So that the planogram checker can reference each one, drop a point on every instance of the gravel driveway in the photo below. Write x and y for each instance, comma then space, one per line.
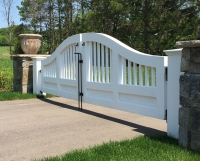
39, 128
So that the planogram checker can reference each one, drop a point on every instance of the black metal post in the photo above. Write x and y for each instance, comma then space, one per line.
80, 94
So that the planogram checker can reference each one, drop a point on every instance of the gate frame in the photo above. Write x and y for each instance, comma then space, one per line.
172, 85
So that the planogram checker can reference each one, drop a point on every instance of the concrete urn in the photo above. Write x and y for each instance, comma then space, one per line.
30, 43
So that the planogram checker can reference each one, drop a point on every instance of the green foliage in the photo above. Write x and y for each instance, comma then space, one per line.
6, 69
151, 148
4, 41
4, 32
6, 79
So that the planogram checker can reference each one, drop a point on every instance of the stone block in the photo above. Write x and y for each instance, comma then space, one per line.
27, 88
14, 64
19, 62
184, 90
194, 68
17, 88
26, 63
195, 141
190, 90
17, 73
183, 137
195, 55
27, 76
16, 81
185, 60
195, 119
184, 117
186, 44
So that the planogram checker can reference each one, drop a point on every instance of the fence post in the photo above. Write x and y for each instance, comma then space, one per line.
37, 83
173, 88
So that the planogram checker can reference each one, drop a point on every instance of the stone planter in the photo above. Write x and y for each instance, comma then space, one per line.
30, 43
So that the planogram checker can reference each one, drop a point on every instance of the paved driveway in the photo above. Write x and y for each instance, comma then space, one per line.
39, 128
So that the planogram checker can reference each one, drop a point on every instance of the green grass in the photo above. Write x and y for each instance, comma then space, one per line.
6, 63
8, 96
6, 69
4, 52
143, 148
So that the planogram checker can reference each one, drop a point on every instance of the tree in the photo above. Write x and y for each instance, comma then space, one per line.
7, 6
149, 26
4, 40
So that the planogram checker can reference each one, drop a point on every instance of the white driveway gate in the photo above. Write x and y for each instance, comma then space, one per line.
111, 74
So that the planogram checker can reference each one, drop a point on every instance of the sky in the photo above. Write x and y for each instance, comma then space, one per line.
14, 14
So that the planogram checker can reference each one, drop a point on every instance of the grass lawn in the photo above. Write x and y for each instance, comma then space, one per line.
143, 148
4, 52
8, 96
5, 61
6, 69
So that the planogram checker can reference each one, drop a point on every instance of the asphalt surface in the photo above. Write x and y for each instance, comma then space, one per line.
37, 128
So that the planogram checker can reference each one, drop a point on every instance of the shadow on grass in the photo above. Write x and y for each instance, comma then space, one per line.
139, 128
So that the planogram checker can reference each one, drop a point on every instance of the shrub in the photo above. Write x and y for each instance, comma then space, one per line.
6, 79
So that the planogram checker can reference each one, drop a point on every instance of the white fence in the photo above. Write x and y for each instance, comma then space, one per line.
114, 75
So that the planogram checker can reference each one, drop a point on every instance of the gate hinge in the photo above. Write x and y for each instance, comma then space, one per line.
80, 61
83, 44
166, 73
166, 115
81, 94
40, 71
77, 44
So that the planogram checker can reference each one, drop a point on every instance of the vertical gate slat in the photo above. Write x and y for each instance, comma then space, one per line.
95, 60
103, 69
146, 76
70, 68
52, 66
124, 70
90, 57
129, 72
92, 61
70, 49
140, 75
135, 73
66, 68
98, 53
72, 63
110, 62
74, 67
107, 81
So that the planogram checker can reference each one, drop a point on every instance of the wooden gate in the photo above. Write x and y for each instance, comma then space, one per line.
112, 75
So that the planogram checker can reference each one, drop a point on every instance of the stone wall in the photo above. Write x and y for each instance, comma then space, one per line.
189, 113
23, 72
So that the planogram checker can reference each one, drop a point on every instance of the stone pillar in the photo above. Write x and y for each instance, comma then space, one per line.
189, 113
23, 73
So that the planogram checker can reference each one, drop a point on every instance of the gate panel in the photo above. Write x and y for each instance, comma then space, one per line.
59, 72
120, 77
114, 75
